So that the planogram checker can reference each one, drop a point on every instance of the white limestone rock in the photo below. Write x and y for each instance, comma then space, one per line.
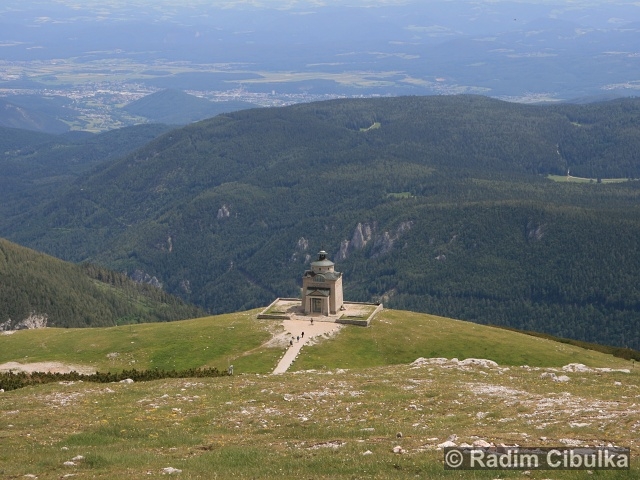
170, 471
446, 444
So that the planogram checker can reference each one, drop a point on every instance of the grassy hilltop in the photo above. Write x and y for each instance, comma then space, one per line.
398, 337
345, 396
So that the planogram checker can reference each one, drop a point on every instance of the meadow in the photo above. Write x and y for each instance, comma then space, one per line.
239, 339
571, 179
338, 413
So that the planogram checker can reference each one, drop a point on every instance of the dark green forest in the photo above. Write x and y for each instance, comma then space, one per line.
175, 107
436, 204
34, 165
78, 295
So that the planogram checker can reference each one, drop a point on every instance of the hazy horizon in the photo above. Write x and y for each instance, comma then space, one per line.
272, 52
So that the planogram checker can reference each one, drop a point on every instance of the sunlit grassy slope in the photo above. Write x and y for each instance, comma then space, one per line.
333, 424
327, 423
401, 337
208, 341
394, 337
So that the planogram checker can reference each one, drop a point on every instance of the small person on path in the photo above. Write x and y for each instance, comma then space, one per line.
298, 338
312, 321
302, 335
291, 343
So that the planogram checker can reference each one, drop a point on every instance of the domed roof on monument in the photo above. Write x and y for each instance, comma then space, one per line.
322, 261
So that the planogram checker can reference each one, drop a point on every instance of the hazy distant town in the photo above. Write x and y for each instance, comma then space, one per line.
272, 53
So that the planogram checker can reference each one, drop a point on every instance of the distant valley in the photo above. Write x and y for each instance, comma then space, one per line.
82, 64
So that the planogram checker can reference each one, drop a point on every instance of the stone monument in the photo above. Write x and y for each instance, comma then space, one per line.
322, 288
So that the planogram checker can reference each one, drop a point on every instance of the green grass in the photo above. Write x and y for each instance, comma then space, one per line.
399, 195
364, 312
286, 426
394, 337
275, 310
400, 337
263, 426
565, 179
203, 342
374, 126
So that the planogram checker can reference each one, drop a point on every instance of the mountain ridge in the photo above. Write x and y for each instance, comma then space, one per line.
16, 116
460, 218
175, 107
39, 291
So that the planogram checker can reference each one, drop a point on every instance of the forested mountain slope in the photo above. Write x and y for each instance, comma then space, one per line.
436, 204
175, 107
16, 116
36, 287
35, 165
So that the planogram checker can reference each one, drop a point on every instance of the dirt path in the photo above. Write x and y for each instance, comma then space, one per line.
308, 334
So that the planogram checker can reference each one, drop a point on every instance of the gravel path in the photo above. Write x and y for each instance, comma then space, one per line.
293, 330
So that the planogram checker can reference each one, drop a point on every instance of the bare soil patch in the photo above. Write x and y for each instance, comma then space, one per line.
52, 367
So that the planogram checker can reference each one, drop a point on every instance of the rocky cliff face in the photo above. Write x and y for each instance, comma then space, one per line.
344, 250
535, 231
142, 277
301, 251
31, 322
362, 235
223, 212
367, 233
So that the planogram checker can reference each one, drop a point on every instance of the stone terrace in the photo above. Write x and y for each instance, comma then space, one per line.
354, 313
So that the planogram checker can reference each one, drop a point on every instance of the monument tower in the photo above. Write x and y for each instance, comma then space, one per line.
322, 288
